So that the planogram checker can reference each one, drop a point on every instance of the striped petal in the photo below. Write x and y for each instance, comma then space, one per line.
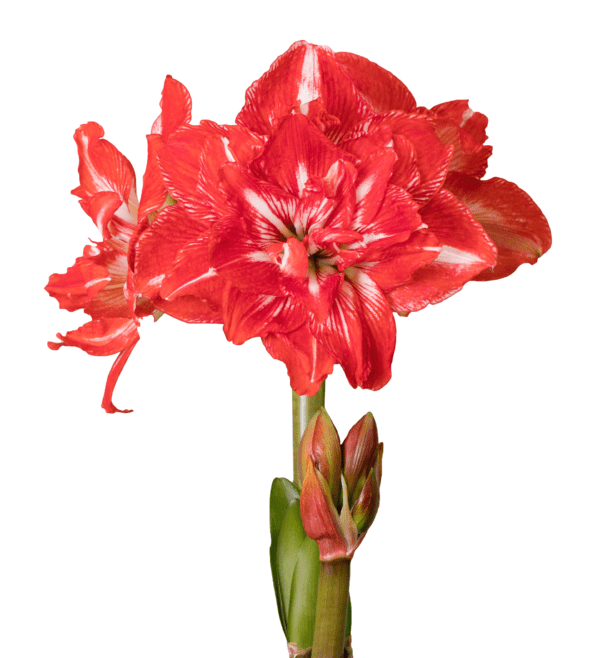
465, 251
248, 315
378, 87
307, 360
104, 169
509, 216
303, 74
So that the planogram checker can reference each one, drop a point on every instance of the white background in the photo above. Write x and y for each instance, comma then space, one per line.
146, 535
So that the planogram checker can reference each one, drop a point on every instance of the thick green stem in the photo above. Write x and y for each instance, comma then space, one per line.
332, 606
304, 407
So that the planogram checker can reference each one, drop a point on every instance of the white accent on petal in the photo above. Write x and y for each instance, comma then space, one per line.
93, 282
363, 189
454, 256
211, 272
256, 257
157, 280
262, 208
301, 177
310, 82
228, 153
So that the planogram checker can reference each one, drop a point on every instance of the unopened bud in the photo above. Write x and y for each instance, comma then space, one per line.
321, 445
359, 455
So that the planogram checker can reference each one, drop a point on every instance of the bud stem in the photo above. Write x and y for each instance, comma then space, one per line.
304, 407
332, 605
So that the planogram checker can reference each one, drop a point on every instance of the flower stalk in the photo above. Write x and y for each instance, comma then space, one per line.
332, 607
304, 407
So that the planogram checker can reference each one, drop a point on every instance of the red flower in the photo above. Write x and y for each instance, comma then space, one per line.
100, 281
332, 203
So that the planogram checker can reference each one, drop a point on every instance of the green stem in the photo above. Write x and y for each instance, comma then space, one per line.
332, 606
304, 407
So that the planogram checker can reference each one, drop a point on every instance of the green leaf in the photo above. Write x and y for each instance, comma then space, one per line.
291, 538
283, 492
303, 596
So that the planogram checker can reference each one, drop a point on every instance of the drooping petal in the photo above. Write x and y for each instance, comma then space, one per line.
191, 161
248, 315
304, 73
111, 381
192, 309
509, 216
102, 168
101, 337
176, 108
342, 333
466, 251
307, 360
381, 89
379, 330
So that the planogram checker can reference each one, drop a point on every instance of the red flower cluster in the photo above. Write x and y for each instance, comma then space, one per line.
333, 202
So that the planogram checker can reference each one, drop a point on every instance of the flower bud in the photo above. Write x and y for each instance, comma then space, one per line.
321, 445
359, 455
329, 516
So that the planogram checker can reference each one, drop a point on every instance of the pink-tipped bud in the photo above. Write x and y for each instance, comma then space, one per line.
359, 455
321, 445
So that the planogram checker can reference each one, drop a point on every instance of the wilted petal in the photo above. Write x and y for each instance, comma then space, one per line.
111, 381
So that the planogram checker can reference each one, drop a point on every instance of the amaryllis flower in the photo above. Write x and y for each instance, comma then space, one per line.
100, 281
333, 202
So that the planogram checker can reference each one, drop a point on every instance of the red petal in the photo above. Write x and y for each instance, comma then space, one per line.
102, 168
100, 337
396, 265
379, 330
248, 315
191, 160
308, 362
317, 291
111, 382
510, 218
158, 246
466, 251
297, 152
238, 259
303, 74
192, 274
342, 333
176, 106
154, 192
459, 113
267, 210
189, 308
381, 89
81, 282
